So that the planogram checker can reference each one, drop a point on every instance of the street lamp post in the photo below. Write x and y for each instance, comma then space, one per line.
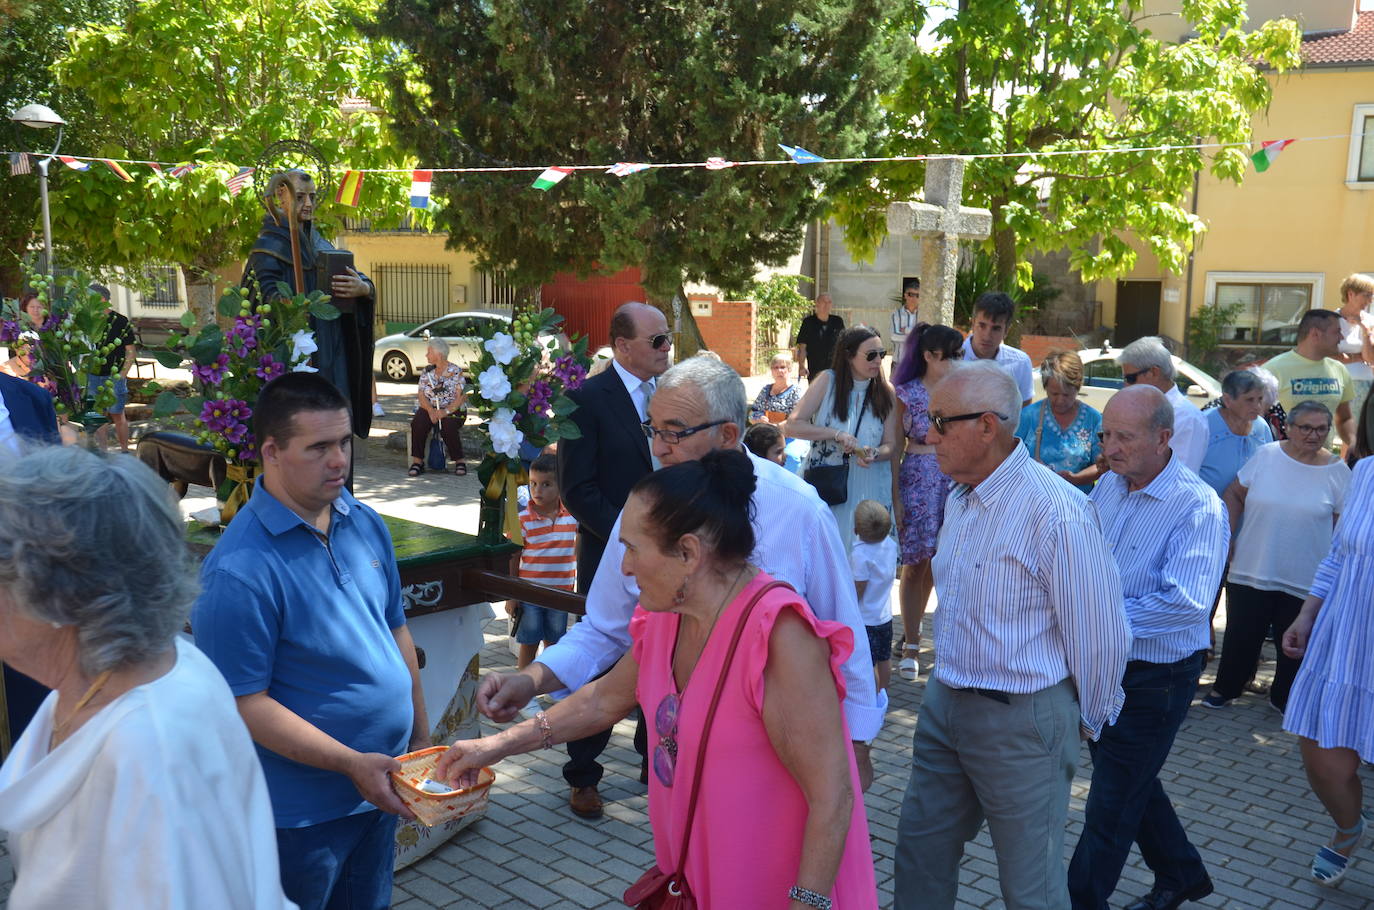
40, 116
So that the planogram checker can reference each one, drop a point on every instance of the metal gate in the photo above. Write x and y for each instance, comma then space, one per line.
410, 293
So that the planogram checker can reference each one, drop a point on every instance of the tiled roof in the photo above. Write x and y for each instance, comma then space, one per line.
1351, 47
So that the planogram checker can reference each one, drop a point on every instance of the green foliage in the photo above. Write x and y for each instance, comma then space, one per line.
978, 274
217, 82
32, 36
780, 307
1045, 77
538, 82
1204, 335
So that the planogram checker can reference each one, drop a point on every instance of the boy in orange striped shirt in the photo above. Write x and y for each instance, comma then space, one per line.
549, 557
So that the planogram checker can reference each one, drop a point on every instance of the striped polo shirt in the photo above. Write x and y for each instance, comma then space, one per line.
548, 557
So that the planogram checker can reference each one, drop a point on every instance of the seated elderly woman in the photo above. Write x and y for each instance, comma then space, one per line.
136, 783
441, 398
1060, 431
721, 651
776, 400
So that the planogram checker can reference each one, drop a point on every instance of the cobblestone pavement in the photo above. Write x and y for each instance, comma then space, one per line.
1234, 776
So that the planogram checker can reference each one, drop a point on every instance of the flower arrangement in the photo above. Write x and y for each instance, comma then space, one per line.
65, 342
230, 367
519, 386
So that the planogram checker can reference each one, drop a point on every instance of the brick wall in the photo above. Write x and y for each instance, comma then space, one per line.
729, 331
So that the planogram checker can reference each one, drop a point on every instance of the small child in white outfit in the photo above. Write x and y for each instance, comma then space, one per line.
874, 563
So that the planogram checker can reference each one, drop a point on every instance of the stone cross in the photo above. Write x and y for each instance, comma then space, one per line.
941, 222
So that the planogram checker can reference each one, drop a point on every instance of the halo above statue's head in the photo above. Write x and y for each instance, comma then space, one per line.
283, 160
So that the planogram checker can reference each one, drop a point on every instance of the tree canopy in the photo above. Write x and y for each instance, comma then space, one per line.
556, 82
251, 73
1045, 77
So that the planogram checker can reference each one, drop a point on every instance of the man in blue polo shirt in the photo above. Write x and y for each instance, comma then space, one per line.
301, 610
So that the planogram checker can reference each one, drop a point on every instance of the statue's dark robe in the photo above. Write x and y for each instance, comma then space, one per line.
345, 344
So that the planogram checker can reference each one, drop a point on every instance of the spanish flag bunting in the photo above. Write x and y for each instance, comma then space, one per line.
119, 171
350, 188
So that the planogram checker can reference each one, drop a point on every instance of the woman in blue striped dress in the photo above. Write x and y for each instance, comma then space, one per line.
1331, 706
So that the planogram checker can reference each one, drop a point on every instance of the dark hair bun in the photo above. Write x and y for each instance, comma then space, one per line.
730, 474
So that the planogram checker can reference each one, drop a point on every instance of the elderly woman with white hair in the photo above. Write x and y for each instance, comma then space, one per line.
136, 783
441, 399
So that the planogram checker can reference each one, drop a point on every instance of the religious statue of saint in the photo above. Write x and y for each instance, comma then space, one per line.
344, 354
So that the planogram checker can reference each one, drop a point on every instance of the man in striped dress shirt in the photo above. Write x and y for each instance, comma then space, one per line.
1030, 641
1169, 534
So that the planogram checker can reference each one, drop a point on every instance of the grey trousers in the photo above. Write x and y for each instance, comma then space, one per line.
975, 758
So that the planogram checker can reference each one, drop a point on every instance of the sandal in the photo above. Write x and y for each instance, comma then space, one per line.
1329, 866
908, 668
415, 470
460, 469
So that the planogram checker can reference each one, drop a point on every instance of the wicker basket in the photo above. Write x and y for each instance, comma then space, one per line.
435, 808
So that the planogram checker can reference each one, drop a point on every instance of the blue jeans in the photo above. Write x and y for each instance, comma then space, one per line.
1127, 803
540, 624
342, 864
121, 391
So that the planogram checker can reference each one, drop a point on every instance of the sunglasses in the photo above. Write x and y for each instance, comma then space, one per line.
673, 437
941, 423
875, 354
661, 341
1131, 378
665, 753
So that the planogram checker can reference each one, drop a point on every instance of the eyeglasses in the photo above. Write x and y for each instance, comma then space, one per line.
673, 437
941, 423
1132, 377
665, 753
1307, 428
875, 354
662, 341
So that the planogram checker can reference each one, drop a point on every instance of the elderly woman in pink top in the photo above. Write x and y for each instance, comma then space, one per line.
778, 820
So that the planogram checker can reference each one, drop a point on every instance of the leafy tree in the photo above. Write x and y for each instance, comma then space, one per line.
1205, 333
780, 307
218, 81
549, 82
1043, 77
32, 37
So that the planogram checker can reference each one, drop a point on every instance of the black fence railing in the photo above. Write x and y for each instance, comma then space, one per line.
411, 293
163, 287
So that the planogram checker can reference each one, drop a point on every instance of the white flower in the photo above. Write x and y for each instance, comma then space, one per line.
492, 384
302, 346
502, 347
505, 438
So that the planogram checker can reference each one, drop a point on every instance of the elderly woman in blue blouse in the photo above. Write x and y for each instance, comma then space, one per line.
776, 400
1060, 430
1235, 429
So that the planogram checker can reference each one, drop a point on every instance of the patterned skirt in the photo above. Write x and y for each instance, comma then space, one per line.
923, 488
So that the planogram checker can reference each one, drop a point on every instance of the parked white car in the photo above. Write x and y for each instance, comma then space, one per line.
1102, 379
401, 357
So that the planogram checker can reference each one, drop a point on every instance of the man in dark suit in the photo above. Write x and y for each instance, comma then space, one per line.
595, 474
28, 414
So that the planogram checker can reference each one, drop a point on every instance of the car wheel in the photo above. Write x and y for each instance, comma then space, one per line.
396, 366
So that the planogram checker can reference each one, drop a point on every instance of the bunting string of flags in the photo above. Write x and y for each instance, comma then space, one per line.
421, 180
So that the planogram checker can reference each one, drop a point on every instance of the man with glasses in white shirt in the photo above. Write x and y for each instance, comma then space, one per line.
904, 318
700, 406
1030, 642
595, 475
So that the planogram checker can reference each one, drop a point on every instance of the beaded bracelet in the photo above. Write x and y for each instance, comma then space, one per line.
808, 897
545, 733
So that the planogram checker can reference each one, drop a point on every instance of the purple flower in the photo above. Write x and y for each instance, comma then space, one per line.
215, 415
540, 394
9, 331
248, 451
236, 433
242, 336
567, 370
52, 322
269, 369
211, 373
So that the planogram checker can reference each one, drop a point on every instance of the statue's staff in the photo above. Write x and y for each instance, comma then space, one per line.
293, 227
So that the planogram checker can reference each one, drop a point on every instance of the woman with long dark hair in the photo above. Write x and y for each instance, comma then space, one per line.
919, 487
849, 415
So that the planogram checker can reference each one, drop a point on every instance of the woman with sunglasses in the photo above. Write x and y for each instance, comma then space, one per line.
778, 820
849, 415
919, 487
